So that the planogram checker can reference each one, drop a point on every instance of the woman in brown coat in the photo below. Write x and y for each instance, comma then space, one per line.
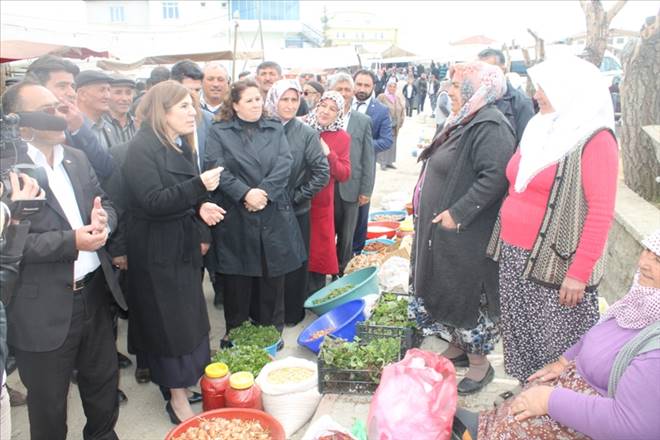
397, 107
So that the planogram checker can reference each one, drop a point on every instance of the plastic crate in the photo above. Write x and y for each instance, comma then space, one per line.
334, 380
410, 337
338, 381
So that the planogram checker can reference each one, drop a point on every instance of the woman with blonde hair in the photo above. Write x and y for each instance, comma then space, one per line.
166, 239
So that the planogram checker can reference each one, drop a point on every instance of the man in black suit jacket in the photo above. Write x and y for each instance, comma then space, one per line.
59, 317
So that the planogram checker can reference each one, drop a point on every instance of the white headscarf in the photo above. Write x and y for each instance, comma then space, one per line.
582, 104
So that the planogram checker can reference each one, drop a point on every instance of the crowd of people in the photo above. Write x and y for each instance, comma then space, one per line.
264, 184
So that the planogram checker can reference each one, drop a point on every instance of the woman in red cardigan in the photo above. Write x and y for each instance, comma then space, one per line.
556, 218
328, 118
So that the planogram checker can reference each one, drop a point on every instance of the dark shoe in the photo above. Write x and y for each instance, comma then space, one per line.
121, 397
280, 344
383, 167
123, 360
225, 343
170, 412
460, 361
195, 398
391, 166
469, 386
142, 375
16, 398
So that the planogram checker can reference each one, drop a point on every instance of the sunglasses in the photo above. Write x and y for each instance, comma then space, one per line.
51, 109
309, 92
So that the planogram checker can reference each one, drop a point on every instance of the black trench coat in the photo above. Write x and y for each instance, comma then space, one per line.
168, 314
466, 175
243, 237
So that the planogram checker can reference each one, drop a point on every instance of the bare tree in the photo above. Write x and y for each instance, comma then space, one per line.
598, 26
640, 106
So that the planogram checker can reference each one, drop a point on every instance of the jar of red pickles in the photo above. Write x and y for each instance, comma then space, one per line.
214, 384
243, 392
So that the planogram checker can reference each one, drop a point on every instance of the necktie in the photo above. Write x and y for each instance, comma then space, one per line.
357, 107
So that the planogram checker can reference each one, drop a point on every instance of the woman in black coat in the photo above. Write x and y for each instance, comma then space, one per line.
310, 173
166, 238
259, 241
456, 202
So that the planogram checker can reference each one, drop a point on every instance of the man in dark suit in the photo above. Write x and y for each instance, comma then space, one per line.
59, 318
381, 131
357, 190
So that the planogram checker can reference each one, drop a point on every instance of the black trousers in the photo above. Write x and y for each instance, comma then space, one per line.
420, 102
295, 283
90, 348
410, 104
360, 234
259, 298
346, 216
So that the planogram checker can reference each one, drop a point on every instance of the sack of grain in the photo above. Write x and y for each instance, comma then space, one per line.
290, 391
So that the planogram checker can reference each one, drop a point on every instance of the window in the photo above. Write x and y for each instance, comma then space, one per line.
610, 40
266, 10
619, 40
170, 10
117, 14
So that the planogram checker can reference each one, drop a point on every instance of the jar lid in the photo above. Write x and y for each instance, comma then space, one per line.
241, 380
216, 370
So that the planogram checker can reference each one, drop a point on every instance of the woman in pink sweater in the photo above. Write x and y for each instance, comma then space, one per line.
556, 217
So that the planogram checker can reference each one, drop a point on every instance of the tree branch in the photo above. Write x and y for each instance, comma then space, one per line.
615, 10
584, 4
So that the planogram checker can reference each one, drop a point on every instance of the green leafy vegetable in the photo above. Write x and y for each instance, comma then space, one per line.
249, 334
391, 310
243, 358
372, 356
334, 293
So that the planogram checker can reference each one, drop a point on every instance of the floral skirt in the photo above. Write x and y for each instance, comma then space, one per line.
536, 328
479, 340
500, 423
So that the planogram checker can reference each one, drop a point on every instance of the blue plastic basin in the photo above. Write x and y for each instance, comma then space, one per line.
342, 319
364, 282
373, 217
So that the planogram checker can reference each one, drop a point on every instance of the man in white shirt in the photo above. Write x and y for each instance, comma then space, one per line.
59, 318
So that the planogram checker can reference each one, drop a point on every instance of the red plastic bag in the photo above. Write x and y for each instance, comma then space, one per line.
416, 399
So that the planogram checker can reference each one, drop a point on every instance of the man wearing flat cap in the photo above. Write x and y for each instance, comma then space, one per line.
121, 122
93, 98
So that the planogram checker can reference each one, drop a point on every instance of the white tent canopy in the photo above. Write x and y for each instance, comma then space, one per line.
298, 60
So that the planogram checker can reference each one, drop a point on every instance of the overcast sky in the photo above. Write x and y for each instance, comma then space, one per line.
424, 25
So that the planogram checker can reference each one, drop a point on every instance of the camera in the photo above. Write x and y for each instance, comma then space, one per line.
11, 146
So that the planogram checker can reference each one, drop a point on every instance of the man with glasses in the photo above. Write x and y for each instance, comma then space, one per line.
59, 317
312, 92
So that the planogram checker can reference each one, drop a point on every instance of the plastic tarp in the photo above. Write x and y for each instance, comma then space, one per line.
173, 58
298, 60
14, 50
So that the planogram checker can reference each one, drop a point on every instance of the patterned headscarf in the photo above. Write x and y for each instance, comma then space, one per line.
338, 124
481, 84
275, 93
641, 305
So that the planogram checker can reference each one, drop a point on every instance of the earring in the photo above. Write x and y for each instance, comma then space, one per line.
31, 138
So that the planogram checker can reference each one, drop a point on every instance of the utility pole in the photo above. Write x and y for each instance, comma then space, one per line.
261, 32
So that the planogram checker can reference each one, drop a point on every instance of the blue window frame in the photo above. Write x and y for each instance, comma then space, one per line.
170, 10
117, 14
267, 9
